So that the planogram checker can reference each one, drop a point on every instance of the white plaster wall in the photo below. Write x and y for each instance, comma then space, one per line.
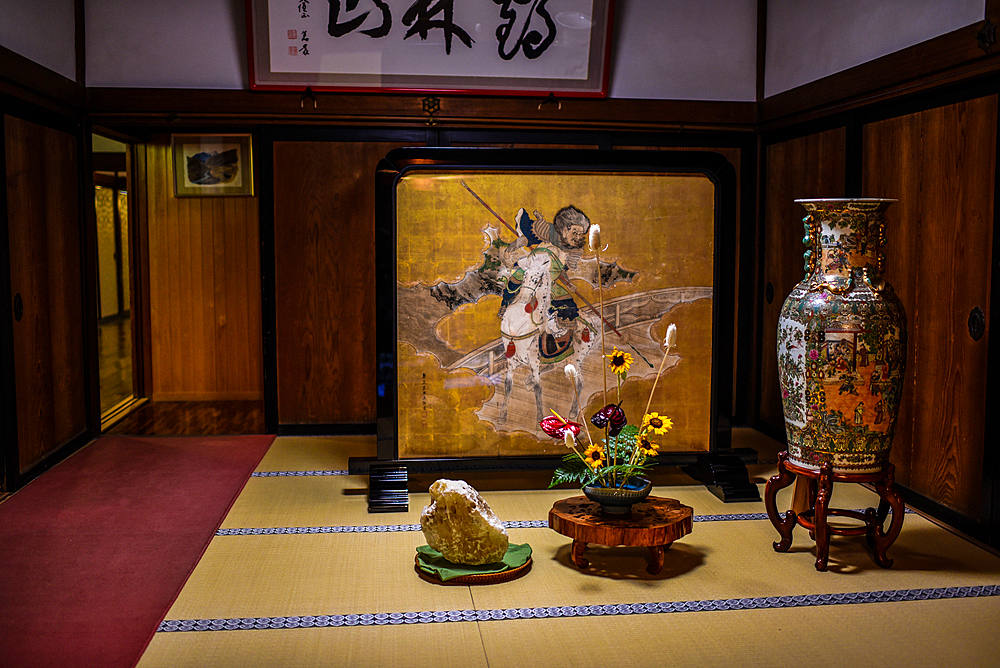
167, 44
663, 49
685, 50
810, 39
43, 32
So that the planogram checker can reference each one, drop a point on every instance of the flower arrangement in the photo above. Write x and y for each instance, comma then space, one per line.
626, 450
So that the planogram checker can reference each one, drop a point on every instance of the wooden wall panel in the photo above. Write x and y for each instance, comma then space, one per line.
204, 290
324, 249
940, 164
44, 229
806, 167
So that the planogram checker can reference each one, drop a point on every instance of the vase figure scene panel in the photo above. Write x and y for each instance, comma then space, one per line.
842, 342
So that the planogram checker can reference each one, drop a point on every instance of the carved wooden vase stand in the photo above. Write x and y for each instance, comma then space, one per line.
815, 519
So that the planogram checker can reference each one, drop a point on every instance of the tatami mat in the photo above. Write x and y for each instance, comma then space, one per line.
914, 634
348, 562
458, 644
315, 453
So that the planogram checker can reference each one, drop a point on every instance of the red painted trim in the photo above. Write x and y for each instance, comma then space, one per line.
431, 91
606, 75
251, 73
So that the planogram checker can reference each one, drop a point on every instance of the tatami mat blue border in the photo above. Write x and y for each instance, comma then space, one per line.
441, 616
390, 528
281, 474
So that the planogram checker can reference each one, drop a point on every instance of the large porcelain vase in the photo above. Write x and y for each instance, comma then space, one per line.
842, 342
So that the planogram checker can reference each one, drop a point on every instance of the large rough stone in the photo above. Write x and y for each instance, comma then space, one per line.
460, 525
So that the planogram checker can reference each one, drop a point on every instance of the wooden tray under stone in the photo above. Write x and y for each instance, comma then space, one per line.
476, 578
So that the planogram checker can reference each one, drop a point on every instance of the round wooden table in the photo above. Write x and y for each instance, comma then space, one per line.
654, 523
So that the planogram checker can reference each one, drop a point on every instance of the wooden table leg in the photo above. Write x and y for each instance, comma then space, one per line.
656, 554
783, 478
822, 505
578, 558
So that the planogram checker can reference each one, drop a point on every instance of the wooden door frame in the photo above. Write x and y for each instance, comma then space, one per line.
264, 142
987, 527
138, 249
8, 390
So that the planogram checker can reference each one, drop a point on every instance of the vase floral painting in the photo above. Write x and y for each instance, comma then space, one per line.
842, 341
499, 292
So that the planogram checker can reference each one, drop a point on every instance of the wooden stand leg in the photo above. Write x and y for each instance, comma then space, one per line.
889, 496
811, 490
578, 558
783, 478
804, 494
656, 554
822, 505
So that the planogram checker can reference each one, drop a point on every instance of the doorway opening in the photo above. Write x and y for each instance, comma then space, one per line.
115, 335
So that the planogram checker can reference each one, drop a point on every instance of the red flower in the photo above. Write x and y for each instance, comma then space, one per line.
611, 415
557, 427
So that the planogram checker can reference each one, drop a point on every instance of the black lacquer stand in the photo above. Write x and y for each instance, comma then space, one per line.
387, 492
725, 475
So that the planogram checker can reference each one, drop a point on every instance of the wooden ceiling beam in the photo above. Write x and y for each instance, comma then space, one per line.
169, 107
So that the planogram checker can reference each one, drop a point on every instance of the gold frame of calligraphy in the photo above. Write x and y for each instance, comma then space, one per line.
453, 379
212, 165
541, 47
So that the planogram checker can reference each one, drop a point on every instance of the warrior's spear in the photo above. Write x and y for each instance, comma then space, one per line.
565, 282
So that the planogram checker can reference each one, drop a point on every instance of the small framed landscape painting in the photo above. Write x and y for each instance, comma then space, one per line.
208, 165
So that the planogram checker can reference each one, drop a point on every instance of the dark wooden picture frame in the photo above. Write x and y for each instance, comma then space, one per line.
460, 163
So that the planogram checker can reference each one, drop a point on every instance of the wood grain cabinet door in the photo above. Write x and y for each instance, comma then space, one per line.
324, 293
44, 237
940, 164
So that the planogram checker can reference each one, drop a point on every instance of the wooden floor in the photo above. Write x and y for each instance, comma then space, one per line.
193, 418
114, 340
169, 418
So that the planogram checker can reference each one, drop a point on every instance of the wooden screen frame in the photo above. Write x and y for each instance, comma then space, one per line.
404, 161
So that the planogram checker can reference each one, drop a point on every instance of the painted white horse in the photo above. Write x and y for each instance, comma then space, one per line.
522, 326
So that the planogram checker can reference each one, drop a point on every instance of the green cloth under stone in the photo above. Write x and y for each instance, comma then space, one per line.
433, 562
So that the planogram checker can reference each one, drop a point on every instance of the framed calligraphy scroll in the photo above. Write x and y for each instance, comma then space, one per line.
509, 47
484, 296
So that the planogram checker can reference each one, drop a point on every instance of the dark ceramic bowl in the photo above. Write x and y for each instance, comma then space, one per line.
619, 500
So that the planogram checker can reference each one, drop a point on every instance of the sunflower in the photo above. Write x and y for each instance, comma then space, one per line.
656, 423
619, 361
594, 457
646, 447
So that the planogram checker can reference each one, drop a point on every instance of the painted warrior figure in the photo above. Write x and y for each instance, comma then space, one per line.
562, 240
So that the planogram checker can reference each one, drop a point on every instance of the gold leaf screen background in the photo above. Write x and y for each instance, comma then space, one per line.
659, 225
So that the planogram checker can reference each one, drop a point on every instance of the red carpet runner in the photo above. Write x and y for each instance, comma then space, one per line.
94, 551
